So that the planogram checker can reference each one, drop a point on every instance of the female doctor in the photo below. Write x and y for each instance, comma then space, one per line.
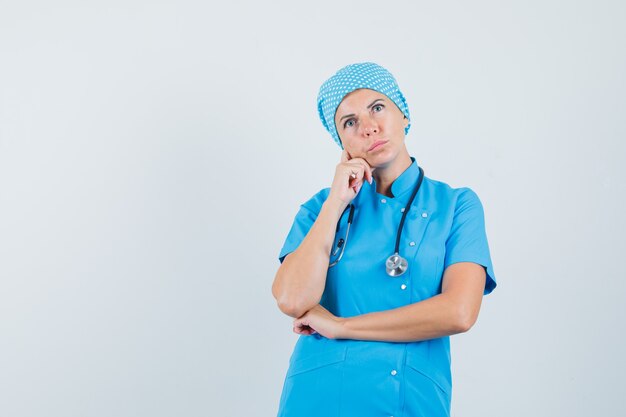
379, 269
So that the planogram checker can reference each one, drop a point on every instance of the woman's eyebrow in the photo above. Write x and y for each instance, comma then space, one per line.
374, 102
347, 115
369, 107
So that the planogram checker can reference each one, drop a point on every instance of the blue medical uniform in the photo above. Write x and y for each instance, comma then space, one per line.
332, 378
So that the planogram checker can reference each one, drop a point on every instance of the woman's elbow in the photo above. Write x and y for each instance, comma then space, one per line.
291, 308
463, 325
288, 304
464, 320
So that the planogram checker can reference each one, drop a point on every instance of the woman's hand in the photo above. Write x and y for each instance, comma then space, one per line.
319, 320
349, 176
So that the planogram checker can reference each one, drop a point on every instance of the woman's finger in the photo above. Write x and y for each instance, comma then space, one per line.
349, 177
370, 172
305, 330
355, 171
364, 170
367, 169
355, 182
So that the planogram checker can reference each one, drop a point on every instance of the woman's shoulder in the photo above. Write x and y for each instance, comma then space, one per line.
315, 202
443, 191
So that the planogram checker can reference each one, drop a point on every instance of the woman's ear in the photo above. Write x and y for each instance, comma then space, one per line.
406, 121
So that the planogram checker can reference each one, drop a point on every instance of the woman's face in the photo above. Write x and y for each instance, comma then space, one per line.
371, 127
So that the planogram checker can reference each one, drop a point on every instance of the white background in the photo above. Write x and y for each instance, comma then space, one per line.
153, 155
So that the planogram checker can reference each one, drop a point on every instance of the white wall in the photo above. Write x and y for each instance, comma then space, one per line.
153, 155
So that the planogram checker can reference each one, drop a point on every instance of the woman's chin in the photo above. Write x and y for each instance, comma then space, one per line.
380, 159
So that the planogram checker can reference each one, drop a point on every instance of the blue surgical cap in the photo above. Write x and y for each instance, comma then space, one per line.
353, 77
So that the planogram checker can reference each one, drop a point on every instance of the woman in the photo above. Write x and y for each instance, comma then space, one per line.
374, 331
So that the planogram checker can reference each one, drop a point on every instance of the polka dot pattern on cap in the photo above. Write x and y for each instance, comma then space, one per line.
350, 78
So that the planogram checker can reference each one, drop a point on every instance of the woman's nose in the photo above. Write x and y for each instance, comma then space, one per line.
369, 126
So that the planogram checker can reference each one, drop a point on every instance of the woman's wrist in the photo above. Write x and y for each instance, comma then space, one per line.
334, 206
343, 331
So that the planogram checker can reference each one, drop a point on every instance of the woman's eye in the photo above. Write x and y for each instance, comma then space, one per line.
377, 107
348, 123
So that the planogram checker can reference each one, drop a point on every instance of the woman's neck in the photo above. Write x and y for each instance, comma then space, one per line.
385, 176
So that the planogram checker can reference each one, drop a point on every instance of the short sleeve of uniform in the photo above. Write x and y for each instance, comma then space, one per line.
302, 223
467, 241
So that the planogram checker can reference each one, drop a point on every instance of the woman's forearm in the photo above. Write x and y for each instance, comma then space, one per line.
435, 317
454, 310
301, 278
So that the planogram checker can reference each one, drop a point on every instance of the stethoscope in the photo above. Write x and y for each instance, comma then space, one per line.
395, 265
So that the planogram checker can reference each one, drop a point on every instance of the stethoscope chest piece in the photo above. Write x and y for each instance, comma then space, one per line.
396, 265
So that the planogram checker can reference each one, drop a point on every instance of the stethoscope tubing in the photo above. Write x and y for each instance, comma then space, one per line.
342, 242
400, 264
406, 210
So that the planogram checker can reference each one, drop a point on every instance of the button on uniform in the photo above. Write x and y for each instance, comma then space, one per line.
383, 200
394, 372
403, 286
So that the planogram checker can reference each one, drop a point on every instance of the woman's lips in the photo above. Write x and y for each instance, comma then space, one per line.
377, 145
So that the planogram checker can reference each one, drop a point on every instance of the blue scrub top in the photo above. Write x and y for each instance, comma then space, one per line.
368, 378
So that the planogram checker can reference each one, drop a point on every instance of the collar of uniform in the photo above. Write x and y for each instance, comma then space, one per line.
406, 181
